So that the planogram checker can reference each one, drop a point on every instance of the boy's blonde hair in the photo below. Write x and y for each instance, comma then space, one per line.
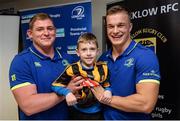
87, 37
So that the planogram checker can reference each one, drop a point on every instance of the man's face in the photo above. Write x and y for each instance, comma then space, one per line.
118, 28
87, 52
42, 34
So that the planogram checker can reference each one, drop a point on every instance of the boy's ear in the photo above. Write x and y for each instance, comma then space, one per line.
77, 52
98, 51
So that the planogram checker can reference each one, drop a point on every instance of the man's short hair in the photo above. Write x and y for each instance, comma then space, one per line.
38, 16
117, 9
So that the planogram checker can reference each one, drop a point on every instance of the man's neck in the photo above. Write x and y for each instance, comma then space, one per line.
118, 50
49, 52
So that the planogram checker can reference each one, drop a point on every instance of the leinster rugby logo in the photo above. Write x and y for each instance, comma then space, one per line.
65, 62
129, 62
78, 12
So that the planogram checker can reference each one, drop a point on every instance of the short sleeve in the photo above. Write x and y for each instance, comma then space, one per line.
147, 67
20, 73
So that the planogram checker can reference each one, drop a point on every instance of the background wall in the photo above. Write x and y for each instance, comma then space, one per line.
98, 10
9, 35
8, 107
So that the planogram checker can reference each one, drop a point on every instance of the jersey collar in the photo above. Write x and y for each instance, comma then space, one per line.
57, 55
130, 48
84, 68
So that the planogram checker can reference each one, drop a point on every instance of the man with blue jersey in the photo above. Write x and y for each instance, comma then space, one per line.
33, 70
134, 71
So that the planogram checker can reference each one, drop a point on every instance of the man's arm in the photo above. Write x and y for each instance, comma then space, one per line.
142, 101
32, 102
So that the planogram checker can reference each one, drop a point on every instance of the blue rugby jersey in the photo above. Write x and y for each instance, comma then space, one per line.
137, 64
32, 67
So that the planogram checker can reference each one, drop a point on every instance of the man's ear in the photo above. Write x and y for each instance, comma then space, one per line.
29, 33
131, 26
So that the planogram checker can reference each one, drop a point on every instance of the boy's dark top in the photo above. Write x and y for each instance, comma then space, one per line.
99, 73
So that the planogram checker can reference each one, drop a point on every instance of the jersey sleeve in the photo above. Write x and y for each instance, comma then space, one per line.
147, 68
20, 73
64, 78
59, 85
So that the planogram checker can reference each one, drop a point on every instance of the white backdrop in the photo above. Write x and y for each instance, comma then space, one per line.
9, 37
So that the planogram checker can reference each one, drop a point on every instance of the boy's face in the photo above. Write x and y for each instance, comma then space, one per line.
87, 52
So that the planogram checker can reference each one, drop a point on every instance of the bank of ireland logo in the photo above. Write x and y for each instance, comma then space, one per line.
129, 62
78, 12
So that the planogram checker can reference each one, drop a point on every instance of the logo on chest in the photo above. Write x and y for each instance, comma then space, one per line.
65, 62
129, 62
37, 64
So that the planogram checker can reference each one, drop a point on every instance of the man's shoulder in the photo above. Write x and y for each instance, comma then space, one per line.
21, 60
106, 52
22, 55
143, 50
141, 47
104, 55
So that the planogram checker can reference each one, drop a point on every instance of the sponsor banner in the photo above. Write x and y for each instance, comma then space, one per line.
156, 25
71, 20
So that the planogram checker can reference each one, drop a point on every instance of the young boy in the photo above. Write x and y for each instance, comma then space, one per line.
94, 73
